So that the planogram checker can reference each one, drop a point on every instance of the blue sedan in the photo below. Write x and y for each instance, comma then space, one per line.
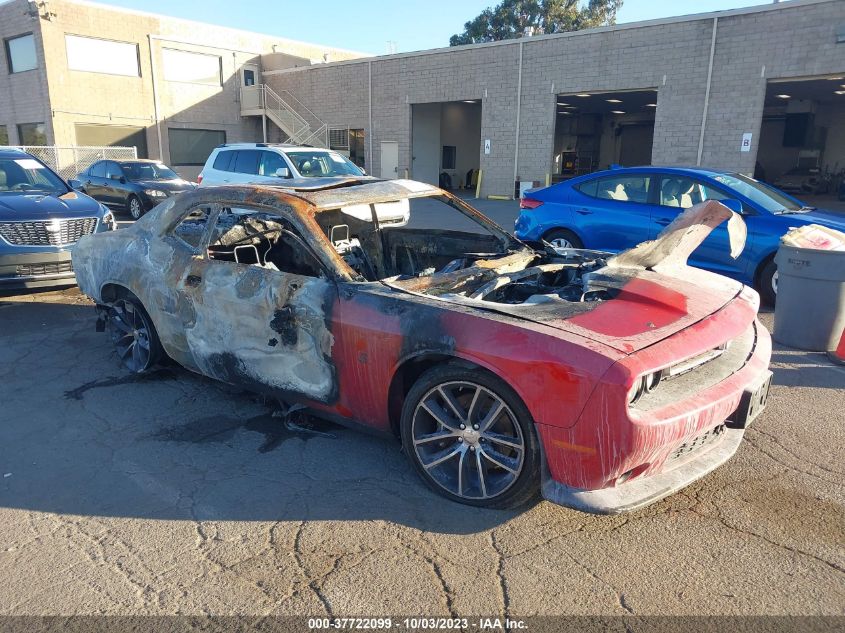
616, 209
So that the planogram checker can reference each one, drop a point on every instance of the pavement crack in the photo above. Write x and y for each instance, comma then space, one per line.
504, 593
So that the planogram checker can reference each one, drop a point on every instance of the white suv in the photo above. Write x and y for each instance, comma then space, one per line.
285, 165
292, 166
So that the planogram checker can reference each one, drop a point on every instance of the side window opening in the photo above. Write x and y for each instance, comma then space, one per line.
246, 161
623, 189
223, 162
250, 237
192, 227
98, 170
270, 162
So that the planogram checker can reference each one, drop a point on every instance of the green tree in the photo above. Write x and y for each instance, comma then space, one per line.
515, 18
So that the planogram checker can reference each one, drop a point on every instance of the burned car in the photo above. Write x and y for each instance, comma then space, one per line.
505, 369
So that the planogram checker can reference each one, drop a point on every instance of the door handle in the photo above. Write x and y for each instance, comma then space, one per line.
584, 211
193, 280
664, 221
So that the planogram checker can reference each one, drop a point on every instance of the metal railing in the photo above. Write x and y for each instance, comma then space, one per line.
69, 160
299, 130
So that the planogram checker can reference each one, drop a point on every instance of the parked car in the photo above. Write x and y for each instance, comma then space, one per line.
41, 218
615, 209
504, 369
803, 180
288, 166
135, 186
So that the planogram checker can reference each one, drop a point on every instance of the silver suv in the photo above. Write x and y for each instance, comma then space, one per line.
293, 165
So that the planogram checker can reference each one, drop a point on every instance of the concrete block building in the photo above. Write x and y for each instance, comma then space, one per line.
79, 73
756, 90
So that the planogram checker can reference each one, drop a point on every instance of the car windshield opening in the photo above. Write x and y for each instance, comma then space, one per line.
321, 164
148, 171
415, 237
28, 176
767, 197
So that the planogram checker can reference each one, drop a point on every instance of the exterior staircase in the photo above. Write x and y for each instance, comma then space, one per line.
301, 125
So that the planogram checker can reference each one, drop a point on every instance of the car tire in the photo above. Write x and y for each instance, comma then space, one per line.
493, 463
563, 238
135, 207
767, 283
134, 335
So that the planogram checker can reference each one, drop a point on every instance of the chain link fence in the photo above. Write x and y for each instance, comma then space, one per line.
68, 161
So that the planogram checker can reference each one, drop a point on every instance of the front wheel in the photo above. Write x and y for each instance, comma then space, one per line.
563, 238
768, 283
135, 208
134, 336
471, 438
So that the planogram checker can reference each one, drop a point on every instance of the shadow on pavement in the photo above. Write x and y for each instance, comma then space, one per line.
80, 436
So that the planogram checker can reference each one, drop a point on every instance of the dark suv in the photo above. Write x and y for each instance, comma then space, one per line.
135, 186
41, 218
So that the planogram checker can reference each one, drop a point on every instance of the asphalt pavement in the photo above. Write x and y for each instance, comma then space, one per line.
170, 493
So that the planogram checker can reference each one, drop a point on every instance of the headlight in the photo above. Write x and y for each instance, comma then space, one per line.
644, 384
155, 193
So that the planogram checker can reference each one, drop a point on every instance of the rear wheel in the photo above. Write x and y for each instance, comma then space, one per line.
133, 334
134, 206
471, 438
767, 283
563, 238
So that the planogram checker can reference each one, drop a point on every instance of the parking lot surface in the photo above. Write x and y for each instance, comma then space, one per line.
170, 493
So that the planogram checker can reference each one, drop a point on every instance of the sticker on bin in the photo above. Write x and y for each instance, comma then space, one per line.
816, 237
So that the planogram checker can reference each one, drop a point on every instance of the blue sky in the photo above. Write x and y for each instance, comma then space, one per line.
369, 26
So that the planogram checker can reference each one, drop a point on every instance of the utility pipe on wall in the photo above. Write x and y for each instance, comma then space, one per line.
155, 96
518, 106
707, 92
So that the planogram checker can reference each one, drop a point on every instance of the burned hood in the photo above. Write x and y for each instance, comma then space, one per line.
626, 302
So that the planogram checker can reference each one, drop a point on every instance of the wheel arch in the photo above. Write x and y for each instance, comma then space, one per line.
559, 227
761, 264
409, 369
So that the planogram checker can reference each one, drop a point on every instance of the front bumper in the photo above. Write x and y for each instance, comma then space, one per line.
34, 270
641, 492
613, 461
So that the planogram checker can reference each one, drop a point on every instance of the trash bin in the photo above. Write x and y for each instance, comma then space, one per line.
810, 306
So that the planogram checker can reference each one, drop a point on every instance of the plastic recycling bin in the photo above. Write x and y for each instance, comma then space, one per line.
810, 306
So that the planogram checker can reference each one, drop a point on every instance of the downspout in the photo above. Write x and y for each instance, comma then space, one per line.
707, 92
518, 106
155, 97
371, 167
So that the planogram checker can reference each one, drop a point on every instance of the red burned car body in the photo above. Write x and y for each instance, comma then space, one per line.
506, 369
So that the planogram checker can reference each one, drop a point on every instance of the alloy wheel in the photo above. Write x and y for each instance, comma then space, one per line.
468, 440
130, 333
561, 242
135, 208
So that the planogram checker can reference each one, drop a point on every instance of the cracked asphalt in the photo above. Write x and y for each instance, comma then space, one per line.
172, 494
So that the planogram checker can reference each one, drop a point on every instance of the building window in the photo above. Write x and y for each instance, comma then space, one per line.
93, 55
4, 135
32, 134
192, 147
449, 154
195, 68
20, 52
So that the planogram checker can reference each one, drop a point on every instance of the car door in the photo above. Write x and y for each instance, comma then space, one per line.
612, 212
676, 193
114, 192
244, 167
94, 181
260, 323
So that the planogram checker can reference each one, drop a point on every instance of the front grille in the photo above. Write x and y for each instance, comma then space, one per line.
697, 443
35, 270
47, 232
